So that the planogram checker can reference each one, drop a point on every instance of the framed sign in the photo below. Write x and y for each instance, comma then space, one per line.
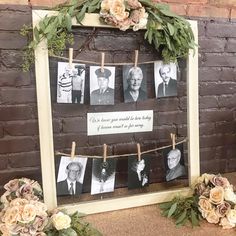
46, 131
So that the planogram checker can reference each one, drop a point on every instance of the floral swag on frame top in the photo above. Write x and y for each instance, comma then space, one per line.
170, 34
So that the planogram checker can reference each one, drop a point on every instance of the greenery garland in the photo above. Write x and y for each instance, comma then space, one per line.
170, 34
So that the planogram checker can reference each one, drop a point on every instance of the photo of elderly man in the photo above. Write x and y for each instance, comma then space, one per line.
174, 162
70, 176
134, 83
165, 79
102, 83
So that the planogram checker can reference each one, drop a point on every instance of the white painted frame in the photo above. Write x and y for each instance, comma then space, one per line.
46, 131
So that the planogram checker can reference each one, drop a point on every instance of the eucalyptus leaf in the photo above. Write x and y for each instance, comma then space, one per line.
68, 22
181, 217
165, 205
172, 210
194, 219
171, 28
36, 34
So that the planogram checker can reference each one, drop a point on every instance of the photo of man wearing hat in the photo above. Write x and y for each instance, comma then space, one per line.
102, 85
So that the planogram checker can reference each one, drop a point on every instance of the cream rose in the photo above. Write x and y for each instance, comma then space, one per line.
105, 5
231, 216
118, 10
230, 195
226, 224
205, 205
212, 217
217, 195
61, 221
28, 214
12, 215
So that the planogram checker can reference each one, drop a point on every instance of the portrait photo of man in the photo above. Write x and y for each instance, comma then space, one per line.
174, 163
102, 84
103, 176
78, 79
165, 79
71, 176
70, 83
134, 83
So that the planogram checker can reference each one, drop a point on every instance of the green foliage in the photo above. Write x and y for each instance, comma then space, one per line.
182, 210
170, 34
78, 228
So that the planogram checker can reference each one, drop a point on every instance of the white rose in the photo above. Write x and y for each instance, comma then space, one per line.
230, 195
61, 221
231, 216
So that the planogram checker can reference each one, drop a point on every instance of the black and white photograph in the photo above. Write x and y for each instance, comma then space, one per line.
138, 172
71, 175
165, 79
134, 83
70, 83
103, 176
102, 85
174, 162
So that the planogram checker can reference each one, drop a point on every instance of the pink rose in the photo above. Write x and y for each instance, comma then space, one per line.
222, 209
12, 185
220, 181
133, 4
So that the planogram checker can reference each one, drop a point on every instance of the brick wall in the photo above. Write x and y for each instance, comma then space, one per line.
19, 146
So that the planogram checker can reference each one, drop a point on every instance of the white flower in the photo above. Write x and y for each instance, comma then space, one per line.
61, 221
231, 216
230, 195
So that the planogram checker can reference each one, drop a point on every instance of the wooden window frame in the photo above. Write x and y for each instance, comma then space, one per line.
46, 130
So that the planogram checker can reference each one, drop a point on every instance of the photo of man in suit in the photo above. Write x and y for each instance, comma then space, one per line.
165, 80
104, 94
74, 172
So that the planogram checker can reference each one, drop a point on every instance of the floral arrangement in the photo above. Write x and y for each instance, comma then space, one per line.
169, 33
213, 199
24, 214
216, 200
124, 14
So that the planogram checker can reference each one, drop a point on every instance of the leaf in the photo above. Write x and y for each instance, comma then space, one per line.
36, 34
165, 205
181, 217
194, 220
172, 210
171, 28
68, 22
67, 232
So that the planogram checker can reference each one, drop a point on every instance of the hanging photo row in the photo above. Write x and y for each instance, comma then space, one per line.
72, 171
71, 82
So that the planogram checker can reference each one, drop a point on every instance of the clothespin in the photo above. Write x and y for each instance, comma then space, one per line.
73, 150
173, 137
102, 61
139, 152
104, 152
135, 58
70, 57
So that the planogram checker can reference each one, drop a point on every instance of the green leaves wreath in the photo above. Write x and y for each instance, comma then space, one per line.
169, 33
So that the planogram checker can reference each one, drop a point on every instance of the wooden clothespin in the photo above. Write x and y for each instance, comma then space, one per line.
104, 152
135, 58
139, 152
102, 61
173, 137
73, 150
70, 58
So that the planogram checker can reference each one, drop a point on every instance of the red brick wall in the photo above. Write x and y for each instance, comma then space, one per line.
19, 146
